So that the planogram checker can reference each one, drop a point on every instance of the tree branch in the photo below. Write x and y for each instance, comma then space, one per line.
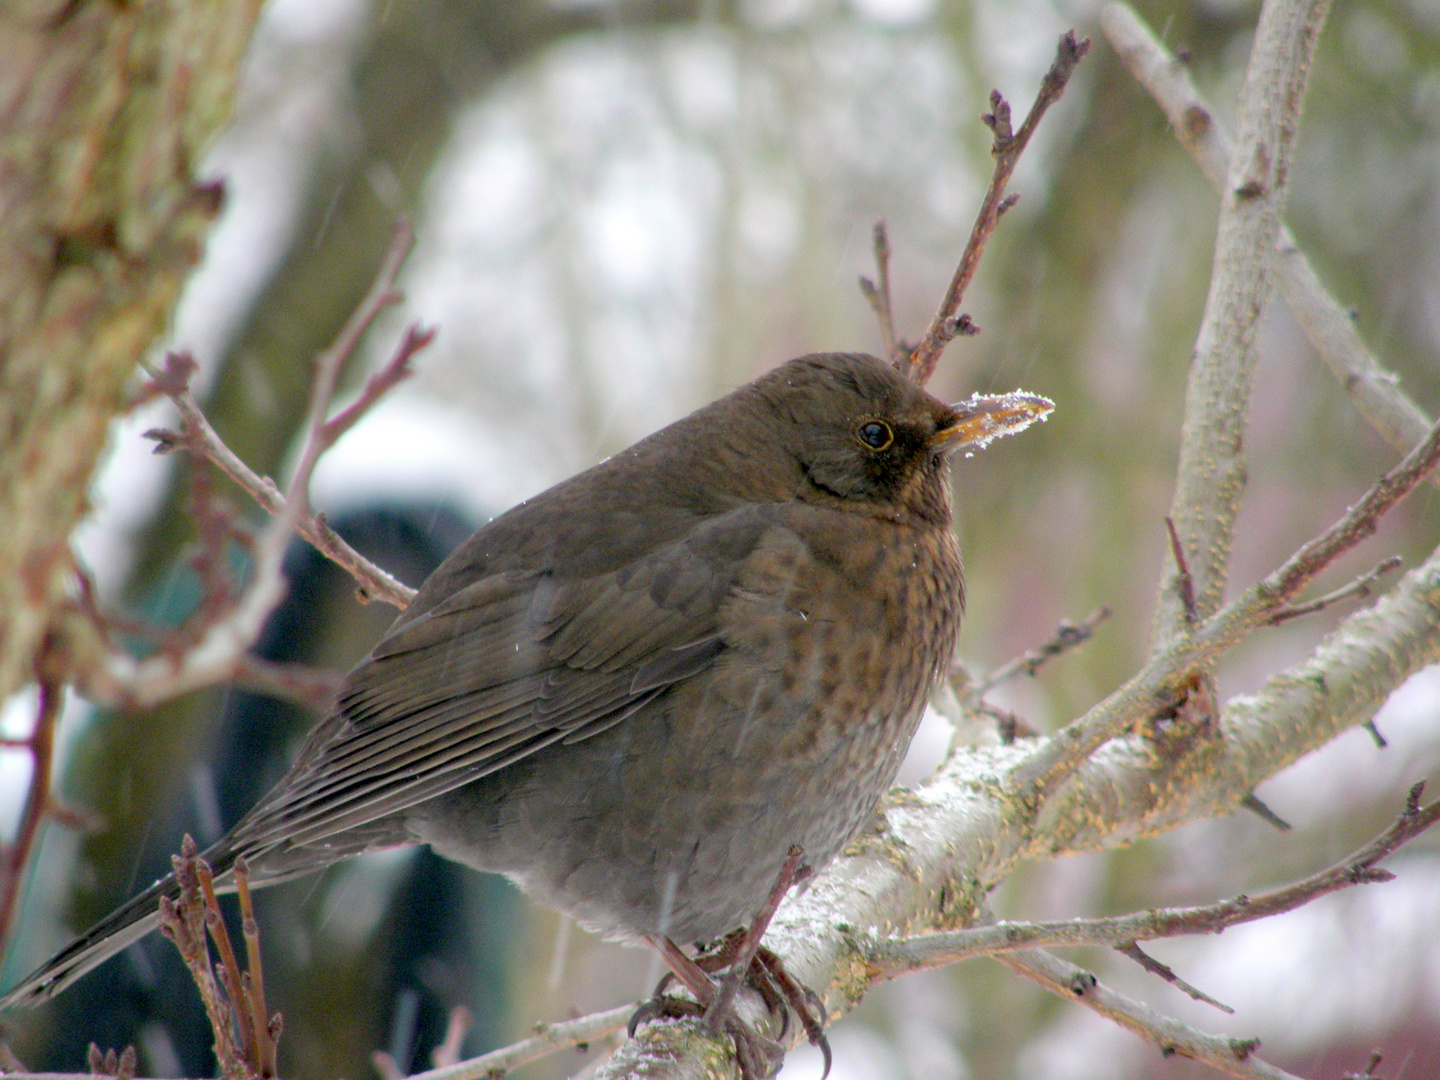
1233, 1056
200, 438
106, 109
1067, 636
877, 293
891, 958
1211, 473
1165, 680
1374, 389
919, 365
218, 650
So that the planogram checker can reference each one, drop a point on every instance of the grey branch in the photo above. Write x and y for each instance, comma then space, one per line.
1233, 1056
1210, 477
890, 958
1375, 390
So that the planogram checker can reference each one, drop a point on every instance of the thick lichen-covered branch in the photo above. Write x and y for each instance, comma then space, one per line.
106, 110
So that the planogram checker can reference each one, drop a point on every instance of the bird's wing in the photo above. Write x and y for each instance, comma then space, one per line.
512, 663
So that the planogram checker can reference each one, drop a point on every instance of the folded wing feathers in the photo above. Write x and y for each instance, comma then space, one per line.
503, 668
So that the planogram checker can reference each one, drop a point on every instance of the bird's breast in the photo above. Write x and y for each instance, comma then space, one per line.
836, 632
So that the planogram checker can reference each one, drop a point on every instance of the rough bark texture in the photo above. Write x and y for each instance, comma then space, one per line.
103, 108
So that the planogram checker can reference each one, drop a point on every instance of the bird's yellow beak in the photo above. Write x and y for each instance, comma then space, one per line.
986, 417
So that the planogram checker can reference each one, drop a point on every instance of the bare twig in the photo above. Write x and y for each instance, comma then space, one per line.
457, 1026
214, 650
890, 958
919, 365
1375, 390
312, 687
1010, 726
244, 1037
396, 370
121, 1066
1360, 588
1252, 803
1184, 581
15, 857
229, 966
1233, 1056
1167, 973
878, 292
1358, 522
266, 1027
323, 433
199, 437
183, 922
1067, 636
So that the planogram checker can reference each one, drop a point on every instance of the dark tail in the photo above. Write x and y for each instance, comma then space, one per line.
136, 918
123, 926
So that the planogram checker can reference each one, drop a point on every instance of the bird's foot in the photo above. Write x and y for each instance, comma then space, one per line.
757, 1055
744, 962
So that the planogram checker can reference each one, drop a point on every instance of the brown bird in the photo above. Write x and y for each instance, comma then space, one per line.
635, 693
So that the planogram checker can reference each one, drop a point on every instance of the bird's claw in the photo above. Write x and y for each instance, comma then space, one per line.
757, 1055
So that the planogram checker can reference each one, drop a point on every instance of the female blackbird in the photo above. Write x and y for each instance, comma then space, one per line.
637, 691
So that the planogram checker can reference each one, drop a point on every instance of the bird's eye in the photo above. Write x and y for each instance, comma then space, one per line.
876, 434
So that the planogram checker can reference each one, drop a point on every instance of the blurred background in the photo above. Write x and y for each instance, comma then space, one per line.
626, 209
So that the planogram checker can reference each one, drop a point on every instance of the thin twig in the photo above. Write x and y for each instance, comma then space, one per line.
312, 687
215, 653
1359, 588
888, 958
266, 1027
329, 364
878, 292
229, 967
1009, 725
396, 370
1067, 636
457, 1026
1252, 803
547, 1039
1229, 1055
15, 858
1184, 580
198, 436
183, 922
238, 1013
1167, 973
121, 1066
1358, 522
919, 365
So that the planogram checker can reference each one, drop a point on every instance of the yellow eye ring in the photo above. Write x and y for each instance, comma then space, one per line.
875, 434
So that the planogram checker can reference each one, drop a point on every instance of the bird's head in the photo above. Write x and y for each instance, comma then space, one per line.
861, 432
